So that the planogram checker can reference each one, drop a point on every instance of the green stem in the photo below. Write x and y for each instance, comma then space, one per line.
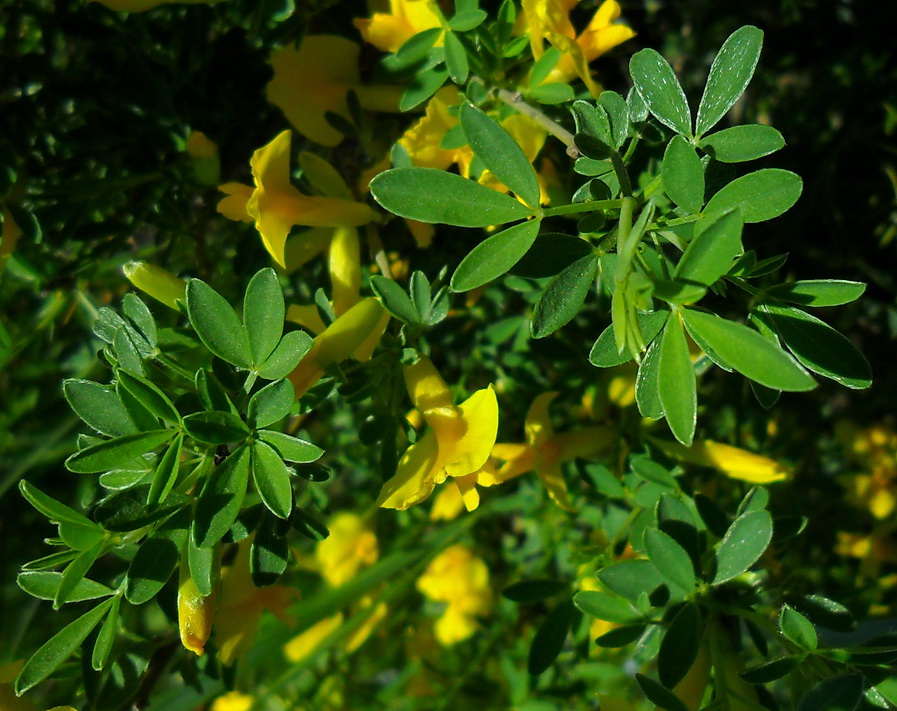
174, 366
622, 173
516, 102
624, 227
588, 206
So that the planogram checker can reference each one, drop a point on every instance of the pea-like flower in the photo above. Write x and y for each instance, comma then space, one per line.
275, 205
461, 580
545, 452
734, 462
456, 444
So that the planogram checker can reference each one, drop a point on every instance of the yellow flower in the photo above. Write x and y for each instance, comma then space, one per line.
735, 463
459, 578
195, 612
875, 450
8, 699
144, 5
302, 645
389, 31
456, 444
162, 285
233, 701
241, 606
545, 451
549, 19
315, 78
276, 206
204, 154
423, 139
350, 546
354, 334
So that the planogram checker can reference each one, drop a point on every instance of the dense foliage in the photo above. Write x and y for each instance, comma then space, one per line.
518, 354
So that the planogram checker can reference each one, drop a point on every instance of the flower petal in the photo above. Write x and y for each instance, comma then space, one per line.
471, 451
538, 421
412, 482
345, 269
426, 387
553, 479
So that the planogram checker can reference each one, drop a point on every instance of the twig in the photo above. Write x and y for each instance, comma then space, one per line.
514, 99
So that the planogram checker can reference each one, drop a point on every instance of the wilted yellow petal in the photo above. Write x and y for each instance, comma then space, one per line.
195, 613
162, 285
337, 342
306, 643
412, 482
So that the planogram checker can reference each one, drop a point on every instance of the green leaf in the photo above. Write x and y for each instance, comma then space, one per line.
44, 584
631, 578
533, 590
670, 559
818, 292
500, 154
293, 347
272, 480
205, 563
550, 254
466, 21
80, 537
215, 427
495, 256
140, 315
564, 296
713, 249
676, 292
51, 508
680, 645
422, 87
435, 196
617, 112
593, 131
114, 452
676, 382
748, 352
142, 418
99, 406
730, 73
55, 651
683, 175
770, 671
826, 613
819, 347
217, 325
659, 695
605, 606
421, 295
647, 383
50, 561
837, 693
269, 553
75, 571
742, 143
126, 510
166, 473
292, 449
744, 543
106, 638
417, 46
221, 499
553, 93
126, 352
156, 559
798, 628
395, 299
263, 314
761, 195
550, 638
270, 404
658, 87
621, 636
605, 351
149, 395
455, 58
308, 525
649, 470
